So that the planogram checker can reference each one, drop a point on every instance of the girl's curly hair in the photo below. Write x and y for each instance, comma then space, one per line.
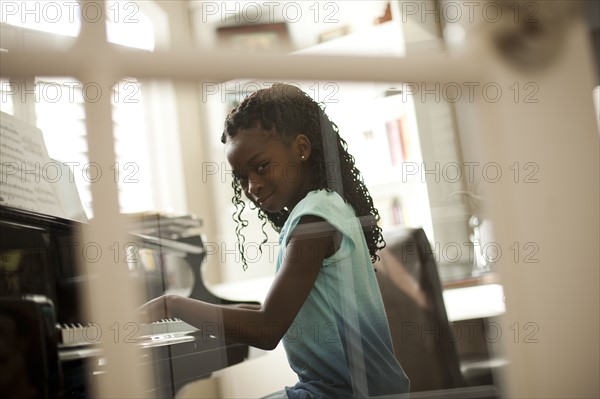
291, 112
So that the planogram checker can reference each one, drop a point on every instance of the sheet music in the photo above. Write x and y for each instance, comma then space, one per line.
28, 177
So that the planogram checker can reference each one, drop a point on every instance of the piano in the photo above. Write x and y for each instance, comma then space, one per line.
50, 351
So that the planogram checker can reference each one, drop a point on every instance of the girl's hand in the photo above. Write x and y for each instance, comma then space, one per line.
154, 310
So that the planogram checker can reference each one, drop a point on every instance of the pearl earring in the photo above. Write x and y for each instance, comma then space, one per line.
302, 156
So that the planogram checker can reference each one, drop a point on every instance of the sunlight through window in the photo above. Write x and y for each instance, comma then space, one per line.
126, 24
58, 103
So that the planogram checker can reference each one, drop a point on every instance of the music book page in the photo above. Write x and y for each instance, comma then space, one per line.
28, 177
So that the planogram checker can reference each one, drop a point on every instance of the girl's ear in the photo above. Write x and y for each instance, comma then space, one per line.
302, 146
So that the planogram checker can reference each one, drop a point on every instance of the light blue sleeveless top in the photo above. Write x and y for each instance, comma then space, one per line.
339, 343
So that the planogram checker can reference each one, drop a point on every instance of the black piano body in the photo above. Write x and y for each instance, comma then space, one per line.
40, 300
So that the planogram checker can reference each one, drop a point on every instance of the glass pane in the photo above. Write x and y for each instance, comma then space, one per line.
126, 23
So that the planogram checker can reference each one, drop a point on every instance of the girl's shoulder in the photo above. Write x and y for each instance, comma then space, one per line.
327, 205
321, 201
322, 196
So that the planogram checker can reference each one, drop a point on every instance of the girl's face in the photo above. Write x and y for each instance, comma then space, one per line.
270, 170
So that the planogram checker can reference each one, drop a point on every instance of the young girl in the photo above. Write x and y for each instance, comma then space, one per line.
290, 162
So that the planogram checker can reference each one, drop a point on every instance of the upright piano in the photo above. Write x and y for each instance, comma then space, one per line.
48, 349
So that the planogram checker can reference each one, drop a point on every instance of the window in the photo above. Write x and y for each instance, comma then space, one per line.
56, 106
126, 24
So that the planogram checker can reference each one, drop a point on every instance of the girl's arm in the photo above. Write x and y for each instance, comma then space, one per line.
310, 243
